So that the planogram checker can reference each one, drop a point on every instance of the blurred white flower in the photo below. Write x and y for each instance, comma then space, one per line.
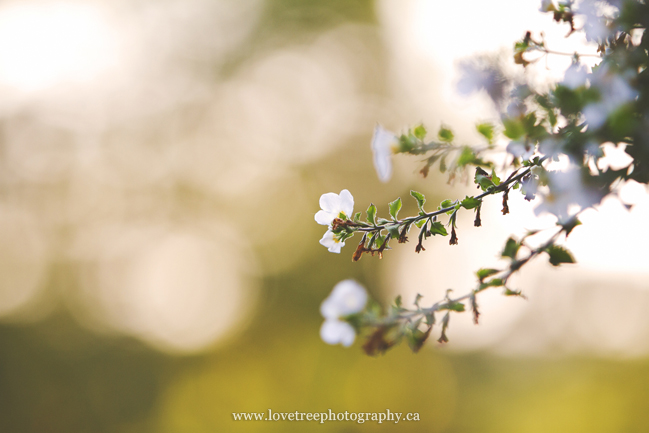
551, 146
335, 331
347, 297
547, 6
333, 205
575, 76
520, 149
384, 144
566, 189
594, 21
332, 243
615, 92
483, 73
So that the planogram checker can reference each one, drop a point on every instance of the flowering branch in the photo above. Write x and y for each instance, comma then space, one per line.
571, 122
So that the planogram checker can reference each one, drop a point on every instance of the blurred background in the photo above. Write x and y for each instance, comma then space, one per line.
160, 165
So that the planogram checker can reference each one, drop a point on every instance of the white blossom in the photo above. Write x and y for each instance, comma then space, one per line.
331, 242
333, 205
575, 76
595, 23
551, 146
483, 73
547, 6
615, 92
384, 144
347, 297
521, 149
336, 331
566, 189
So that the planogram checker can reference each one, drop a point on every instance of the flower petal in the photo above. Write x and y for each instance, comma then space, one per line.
382, 143
335, 331
330, 202
323, 217
349, 297
347, 203
331, 243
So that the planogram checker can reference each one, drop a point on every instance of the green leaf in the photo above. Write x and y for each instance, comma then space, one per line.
407, 143
511, 248
466, 156
417, 338
371, 214
437, 228
470, 202
420, 132
570, 225
357, 217
397, 301
442, 164
445, 134
395, 206
382, 221
446, 203
494, 282
394, 231
494, 177
485, 272
453, 306
559, 255
514, 128
482, 178
486, 130
420, 223
420, 199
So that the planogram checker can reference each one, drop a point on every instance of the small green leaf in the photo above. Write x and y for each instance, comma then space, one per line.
442, 164
407, 143
467, 156
420, 199
470, 202
382, 221
445, 134
494, 282
453, 306
395, 206
394, 231
485, 272
420, 223
357, 217
397, 301
371, 214
514, 128
446, 203
437, 228
570, 225
509, 292
494, 177
417, 338
482, 179
487, 131
511, 248
420, 132
559, 255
